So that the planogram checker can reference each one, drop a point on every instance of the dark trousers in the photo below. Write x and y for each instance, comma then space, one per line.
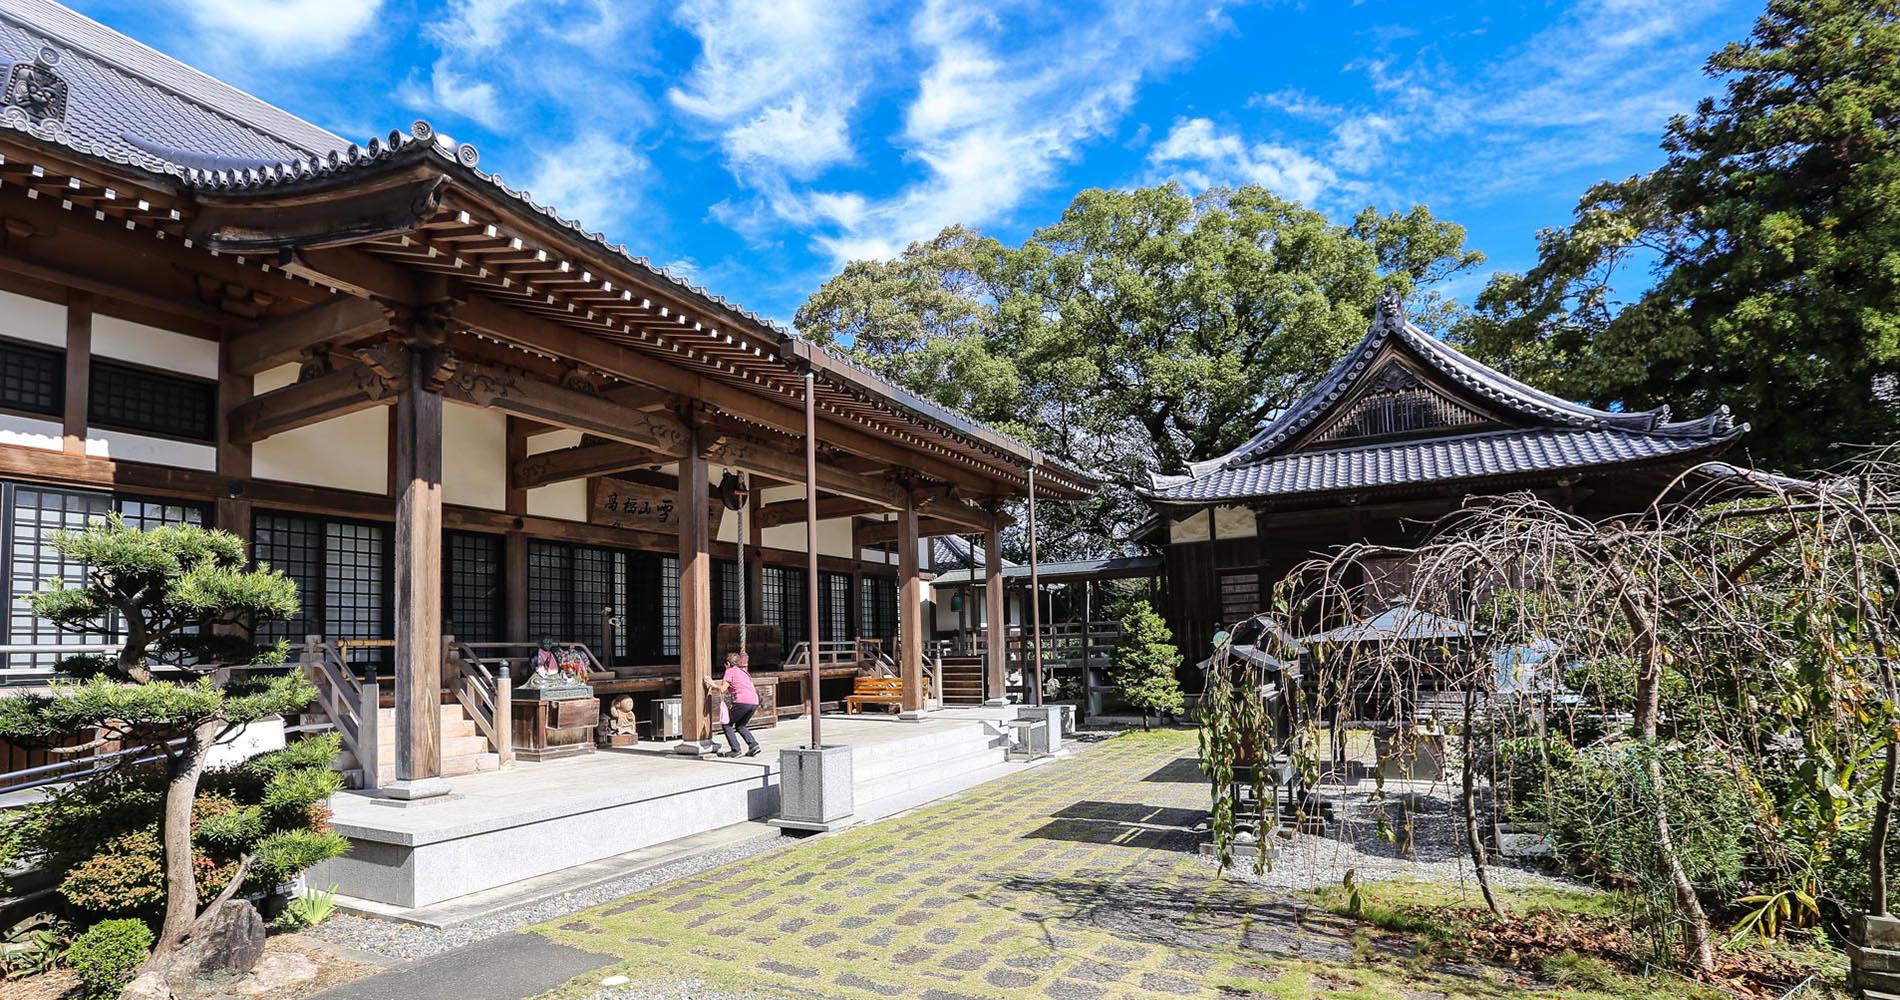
740, 713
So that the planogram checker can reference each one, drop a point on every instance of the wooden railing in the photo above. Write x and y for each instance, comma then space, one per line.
485, 694
352, 705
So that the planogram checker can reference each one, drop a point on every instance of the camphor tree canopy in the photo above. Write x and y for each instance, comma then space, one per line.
1771, 234
1143, 330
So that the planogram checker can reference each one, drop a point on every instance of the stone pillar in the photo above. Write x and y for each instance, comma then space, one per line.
695, 625
910, 602
996, 641
418, 585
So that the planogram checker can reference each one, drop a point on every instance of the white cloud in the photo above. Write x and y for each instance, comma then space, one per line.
284, 31
778, 79
587, 178
1001, 105
1204, 155
449, 91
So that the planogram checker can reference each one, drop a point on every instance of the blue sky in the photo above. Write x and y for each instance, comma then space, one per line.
758, 146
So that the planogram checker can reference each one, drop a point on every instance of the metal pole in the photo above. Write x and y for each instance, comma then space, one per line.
1035, 592
811, 547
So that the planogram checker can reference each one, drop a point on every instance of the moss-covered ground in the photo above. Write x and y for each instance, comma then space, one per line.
1077, 879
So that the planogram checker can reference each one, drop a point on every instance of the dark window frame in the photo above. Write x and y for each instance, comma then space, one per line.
57, 357
206, 429
321, 621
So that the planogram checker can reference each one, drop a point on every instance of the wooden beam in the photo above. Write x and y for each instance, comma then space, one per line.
120, 289
885, 531
78, 371
524, 396
498, 320
346, 390
339, 322
580, 462
996, 639
754, 456
944, 505
772, 515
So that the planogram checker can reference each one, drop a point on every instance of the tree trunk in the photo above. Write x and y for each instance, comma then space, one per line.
181, 882
1695, 922
1473, 841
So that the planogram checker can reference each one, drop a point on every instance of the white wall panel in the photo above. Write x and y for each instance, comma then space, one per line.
350, 452
126, 447
474, 457
123, 340
25, 318
30, 432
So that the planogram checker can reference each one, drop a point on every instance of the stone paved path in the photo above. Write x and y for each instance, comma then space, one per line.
1072, 880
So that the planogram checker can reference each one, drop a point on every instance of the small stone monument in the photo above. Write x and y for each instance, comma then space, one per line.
1874, 957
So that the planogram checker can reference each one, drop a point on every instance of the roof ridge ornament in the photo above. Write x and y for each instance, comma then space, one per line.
34, 92
1391, 310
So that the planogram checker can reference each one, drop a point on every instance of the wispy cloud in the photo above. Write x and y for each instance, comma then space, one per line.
777, 80
1201, 154
587, 178
1001, 99
284, 32
1592, 88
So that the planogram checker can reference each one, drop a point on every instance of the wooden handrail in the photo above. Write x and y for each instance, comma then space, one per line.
353, 706
485, 694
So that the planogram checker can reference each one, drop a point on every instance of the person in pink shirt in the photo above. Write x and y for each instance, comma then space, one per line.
736, 686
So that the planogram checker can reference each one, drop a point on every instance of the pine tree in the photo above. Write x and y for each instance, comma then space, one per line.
1145, 661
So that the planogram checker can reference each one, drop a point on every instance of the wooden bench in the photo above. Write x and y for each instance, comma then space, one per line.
874, 691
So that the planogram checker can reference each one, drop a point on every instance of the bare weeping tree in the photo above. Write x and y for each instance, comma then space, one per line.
1733, 591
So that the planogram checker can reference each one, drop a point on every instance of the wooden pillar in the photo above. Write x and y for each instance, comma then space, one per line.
515, 552
78, 371
910, 594
1035, 597
997, 638
754, 581
234, 460
418, 586
695, 624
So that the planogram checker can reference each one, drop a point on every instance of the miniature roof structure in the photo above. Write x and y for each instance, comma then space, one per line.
1403, 410
1400, 623
1115, 567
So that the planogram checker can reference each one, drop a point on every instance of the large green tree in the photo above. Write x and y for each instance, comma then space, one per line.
1141, 331
1772, 237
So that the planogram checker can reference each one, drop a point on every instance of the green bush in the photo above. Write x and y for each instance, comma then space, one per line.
1602, 813
1145, 660
108, 955
104, 833
1529, 767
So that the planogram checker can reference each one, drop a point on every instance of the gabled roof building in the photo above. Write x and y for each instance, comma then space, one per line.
1401, 430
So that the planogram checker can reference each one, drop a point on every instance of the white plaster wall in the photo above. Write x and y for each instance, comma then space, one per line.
123, 340
567, 501
1235, 522
350, 452
553, 441
31, 319
126, 447
474, 457
834, 537
30, 432
1191, 529
729, 526
786, 537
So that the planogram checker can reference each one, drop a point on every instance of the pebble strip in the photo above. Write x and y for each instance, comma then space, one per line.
396, 940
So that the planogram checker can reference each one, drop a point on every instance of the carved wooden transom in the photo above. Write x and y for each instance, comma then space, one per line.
1397, 401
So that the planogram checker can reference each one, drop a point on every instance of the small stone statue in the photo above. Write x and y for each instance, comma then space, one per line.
617, 725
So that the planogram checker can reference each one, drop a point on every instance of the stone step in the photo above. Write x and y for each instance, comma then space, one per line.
875, 764
1873, 959
939, 770
451, 712
451, 730
452, 767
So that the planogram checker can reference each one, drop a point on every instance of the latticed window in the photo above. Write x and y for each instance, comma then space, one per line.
834, 615
571, 591
473, 583
32, 379
878, 608
146, 402
342, 573
727, 588
782, 592
669, 606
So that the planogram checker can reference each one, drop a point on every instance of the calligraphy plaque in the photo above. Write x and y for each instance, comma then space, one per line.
618, 503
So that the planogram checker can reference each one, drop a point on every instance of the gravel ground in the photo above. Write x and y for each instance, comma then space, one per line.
1353, 842
392, 939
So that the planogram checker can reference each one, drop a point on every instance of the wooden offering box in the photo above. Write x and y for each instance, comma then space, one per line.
554, 722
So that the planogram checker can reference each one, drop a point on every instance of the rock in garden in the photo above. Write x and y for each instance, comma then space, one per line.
227, 945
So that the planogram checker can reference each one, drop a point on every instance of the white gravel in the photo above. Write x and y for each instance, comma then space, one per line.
1354, 842
396, 940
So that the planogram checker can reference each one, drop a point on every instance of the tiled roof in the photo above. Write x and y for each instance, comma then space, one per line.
132, 104
1404, 463
1396, 624
1121, 566
1546, 434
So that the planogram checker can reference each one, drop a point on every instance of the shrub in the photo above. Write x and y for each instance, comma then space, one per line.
108, 955
308, 910
1602, 814
1145, 661
1528, 767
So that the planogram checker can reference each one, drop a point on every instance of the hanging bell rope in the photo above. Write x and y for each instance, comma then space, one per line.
736, 494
